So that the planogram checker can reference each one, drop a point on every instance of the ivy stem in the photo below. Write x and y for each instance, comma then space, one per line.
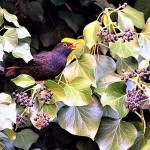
141, 116
60, 78
103, 45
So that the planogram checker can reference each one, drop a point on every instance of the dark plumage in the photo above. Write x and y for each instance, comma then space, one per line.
46, 65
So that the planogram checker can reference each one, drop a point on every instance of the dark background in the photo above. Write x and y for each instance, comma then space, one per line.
48, 21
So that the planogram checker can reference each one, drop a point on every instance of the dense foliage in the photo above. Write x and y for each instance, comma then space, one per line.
101, 99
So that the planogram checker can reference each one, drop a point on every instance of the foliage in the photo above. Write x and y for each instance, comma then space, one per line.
104, 84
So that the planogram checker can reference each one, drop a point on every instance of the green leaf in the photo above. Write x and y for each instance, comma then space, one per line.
143, 64
105, 81
36, 11
144, 41
58, 91
23, 51
124, 22
114, 96
1, 146
11, 134
84, 67
73, 20
3, 136
51, 110
5, 98
1, 16
7, 116
78, 92
11, 18
144, 7
1, 52
105, 65
107, 21
136, 16
126, 49
90, 33
10, 40
82, 121
115, 134
25, 139
22, 32
23, 80
142, 141
129, 63
58, 2
109, 112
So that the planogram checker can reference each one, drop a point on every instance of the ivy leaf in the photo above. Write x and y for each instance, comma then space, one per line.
81, 120
142, 138
1, 16
136, 16
11, 134
1, 52
11, 18
126, 49
5, 98
7, 116
107, 21
105, 65
105, 81
144, 7
90, 33
58, 2
22, 32
23, 80
73, 20
144, 41
36, 11
116, 98
78, 92
109, 112
25, 139
84, 67
10, 40
129, 63
143, 64
23, 51
124, 22
115, 134
1, 145
58, 91
51, 110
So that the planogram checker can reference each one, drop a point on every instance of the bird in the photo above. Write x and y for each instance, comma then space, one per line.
45, 65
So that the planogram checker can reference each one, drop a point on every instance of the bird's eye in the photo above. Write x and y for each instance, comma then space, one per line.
65, 45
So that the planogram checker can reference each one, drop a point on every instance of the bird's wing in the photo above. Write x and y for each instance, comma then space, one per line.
22, 67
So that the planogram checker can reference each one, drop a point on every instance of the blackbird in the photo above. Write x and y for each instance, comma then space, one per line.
45, 65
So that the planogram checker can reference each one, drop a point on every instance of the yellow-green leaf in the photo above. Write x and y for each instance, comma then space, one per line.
90, 33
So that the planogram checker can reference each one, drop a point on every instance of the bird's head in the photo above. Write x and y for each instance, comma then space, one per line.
65, 48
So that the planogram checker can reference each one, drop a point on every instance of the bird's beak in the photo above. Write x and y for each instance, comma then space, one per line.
72, 47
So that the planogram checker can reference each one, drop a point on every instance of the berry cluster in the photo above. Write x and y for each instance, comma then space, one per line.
42, 120
142, 73
45, 94
134, 98
124, 5
23, 99
138, 95
21, 120
110, 37
127, 36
